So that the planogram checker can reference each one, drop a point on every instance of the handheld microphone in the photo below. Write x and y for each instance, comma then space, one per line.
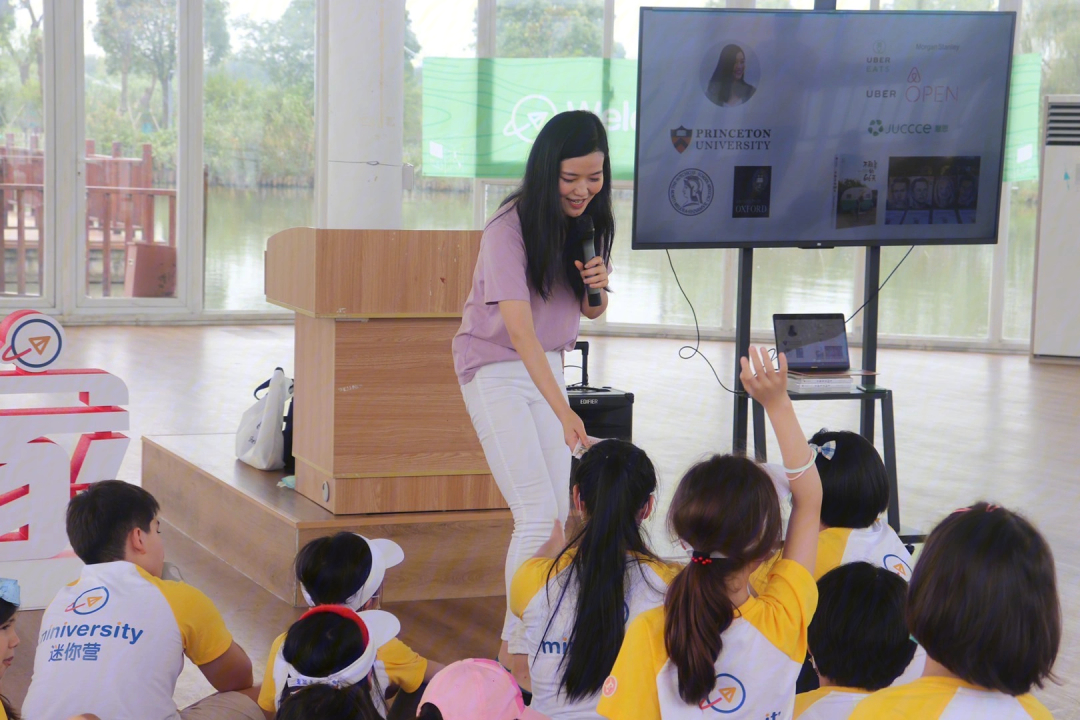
588, 252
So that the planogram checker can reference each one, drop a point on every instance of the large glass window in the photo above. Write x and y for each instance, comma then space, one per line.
23, 256
1049, 28
549, 28
130, 242
259, 138
434, 29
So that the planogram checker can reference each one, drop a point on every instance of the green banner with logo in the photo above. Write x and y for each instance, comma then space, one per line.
481, 115
1022, 132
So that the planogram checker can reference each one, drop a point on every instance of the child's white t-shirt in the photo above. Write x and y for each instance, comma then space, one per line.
878, 545
533, 597
113, 643
763, 652
828, 703
939, 698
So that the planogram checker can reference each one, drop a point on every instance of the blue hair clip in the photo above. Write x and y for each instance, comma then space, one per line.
827, 451
9, 590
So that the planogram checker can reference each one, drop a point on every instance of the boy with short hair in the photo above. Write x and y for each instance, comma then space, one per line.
858, 639
113, 642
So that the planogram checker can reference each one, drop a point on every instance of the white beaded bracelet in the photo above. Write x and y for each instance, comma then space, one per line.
798, 472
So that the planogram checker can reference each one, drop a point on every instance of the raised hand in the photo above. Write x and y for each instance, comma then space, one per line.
764, 383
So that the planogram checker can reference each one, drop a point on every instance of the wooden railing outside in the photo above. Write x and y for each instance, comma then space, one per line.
120, 200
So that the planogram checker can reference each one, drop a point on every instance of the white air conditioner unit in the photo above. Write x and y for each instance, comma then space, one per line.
1055, 312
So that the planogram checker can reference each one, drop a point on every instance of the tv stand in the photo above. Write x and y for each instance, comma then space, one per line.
866, 396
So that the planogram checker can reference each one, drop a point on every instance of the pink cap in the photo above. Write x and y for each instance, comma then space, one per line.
471, 689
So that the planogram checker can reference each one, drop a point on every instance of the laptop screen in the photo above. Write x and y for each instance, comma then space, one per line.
812, 342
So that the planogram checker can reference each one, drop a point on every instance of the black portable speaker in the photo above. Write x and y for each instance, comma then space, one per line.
606, 412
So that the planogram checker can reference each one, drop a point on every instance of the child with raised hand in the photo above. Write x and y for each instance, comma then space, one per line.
858, 639
575, 598
983, 602
349, 569
712, 648
332, 645
854, 494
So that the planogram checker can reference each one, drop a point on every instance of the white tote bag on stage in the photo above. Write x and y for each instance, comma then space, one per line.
259, 441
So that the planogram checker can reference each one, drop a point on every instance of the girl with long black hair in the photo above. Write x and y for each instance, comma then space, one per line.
713, 648
522, 314
575, 598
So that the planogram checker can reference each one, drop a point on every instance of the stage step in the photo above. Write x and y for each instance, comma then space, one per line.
240, 515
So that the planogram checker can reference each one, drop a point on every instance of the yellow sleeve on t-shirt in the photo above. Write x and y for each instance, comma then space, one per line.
630, 691
760, 577
806, 699
201, 626
404, 666
530, 579
785, 608
831, 545
832, 542
268, 691
926, 699
665, 571
3, 712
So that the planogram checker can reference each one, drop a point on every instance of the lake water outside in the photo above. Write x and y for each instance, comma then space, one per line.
939, 291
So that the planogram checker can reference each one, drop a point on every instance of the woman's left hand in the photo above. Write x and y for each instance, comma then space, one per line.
593, 273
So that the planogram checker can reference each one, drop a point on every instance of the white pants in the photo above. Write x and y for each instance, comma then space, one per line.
524, 446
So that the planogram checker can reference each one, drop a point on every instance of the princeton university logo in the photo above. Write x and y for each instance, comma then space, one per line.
680, 138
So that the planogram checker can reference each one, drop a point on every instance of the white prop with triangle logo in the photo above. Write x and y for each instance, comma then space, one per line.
37, 475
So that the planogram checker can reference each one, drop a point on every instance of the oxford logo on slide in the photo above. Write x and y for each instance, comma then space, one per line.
90, 601
727, 697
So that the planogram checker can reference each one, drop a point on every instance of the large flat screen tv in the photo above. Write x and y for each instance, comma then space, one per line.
819, 129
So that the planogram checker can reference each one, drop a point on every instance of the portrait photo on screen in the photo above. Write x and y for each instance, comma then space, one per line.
730, 73
932, 190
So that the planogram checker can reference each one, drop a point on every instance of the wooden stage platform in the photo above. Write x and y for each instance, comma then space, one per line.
242, 516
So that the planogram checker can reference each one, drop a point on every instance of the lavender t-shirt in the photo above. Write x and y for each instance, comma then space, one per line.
482, 338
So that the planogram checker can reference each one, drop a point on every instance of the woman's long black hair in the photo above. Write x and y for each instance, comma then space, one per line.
7, 611
723, 76
552, 243
615, 480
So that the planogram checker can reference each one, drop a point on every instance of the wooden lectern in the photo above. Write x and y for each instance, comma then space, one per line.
380, 424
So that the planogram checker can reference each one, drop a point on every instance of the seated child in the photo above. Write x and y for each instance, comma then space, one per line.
855, 492
858, 639
9, 640
348, 569
325, 701
332, 645
113, 642
575, 598
712, 649
475, 690
983, 602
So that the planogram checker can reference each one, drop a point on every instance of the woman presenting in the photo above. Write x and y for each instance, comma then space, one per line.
522, 314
